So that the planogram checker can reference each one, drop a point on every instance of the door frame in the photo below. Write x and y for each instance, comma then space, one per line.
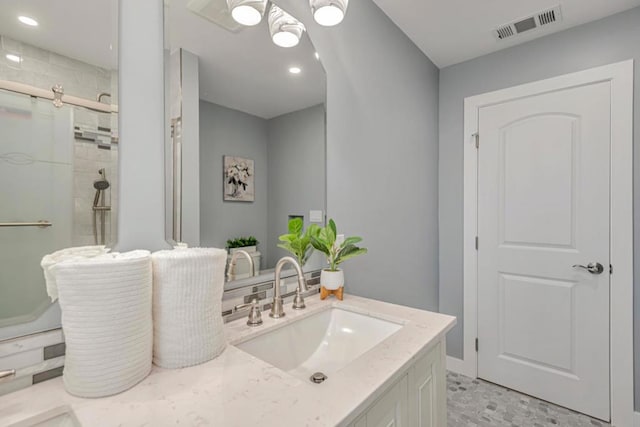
620, 75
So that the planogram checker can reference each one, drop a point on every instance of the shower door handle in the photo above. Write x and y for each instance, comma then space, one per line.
41, 224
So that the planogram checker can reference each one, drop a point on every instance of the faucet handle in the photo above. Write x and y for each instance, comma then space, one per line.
255, 317
298, 301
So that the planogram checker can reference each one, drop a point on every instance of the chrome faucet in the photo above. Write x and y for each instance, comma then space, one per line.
277, 310
232, 264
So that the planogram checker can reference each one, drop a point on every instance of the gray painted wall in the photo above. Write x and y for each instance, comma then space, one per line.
230, 132
609, 40
382, 152
296, 170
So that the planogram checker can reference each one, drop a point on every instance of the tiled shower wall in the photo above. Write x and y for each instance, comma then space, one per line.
43, 69
88, 159
40, 356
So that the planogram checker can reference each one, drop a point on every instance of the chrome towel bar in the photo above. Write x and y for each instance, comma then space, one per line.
40, 224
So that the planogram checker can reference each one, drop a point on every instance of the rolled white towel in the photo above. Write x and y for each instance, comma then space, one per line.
106, 319
49, 261
187, 306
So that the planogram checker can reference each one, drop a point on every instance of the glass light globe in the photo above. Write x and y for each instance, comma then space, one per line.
285, 39
329, 15
246, 15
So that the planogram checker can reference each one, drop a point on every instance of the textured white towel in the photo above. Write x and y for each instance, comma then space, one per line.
187, 306
49, 261
106, 319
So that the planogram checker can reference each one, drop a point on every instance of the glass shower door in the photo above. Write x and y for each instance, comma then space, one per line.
36, 207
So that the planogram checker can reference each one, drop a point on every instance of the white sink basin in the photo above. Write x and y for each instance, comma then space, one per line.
62, 416
323, 342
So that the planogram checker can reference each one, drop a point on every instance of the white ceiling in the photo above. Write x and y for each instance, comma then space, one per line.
452, 31
80, 29
245, 70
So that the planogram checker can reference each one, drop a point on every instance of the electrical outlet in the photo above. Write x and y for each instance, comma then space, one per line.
316, 216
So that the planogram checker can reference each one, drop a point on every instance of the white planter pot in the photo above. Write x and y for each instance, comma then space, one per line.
249, 249
332, 280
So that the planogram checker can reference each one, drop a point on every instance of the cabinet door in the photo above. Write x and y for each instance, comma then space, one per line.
391, 410
429, 390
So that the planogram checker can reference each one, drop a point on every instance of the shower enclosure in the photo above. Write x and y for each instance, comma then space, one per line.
54, 164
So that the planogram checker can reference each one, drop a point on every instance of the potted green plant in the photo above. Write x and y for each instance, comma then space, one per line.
245, 243
298, 242
337, 252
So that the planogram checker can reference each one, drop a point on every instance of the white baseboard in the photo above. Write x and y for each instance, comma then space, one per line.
636, 419
455, 365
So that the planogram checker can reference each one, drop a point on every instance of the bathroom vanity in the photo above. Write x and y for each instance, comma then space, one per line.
384, 363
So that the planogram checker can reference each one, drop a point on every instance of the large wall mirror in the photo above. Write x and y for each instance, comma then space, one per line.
247, 143
58, 145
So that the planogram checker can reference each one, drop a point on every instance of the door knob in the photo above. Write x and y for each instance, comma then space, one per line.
592, 267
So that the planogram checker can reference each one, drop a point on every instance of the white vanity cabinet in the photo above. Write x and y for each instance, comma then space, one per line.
417, 399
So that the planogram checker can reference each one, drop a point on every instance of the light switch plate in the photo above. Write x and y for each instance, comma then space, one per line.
316, 216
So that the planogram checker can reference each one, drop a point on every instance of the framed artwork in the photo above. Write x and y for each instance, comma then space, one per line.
238, 179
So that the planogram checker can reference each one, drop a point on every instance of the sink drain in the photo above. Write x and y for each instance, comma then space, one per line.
318, 377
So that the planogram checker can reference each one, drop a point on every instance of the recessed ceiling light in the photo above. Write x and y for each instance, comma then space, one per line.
295, 70
13, 58
26, 20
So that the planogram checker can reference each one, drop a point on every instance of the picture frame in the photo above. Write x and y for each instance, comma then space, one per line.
238, 179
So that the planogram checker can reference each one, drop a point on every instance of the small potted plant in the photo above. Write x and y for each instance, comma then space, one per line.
337, 252
245, 243
298, 242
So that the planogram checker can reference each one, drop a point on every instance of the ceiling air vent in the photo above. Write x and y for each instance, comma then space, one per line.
504, 32
549, 16
215, 11
542, 18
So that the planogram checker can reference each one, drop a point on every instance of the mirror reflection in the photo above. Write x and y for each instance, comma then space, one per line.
260, 142
58, 145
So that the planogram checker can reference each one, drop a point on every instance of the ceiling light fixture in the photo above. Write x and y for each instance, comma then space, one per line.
247, 12
328, 12
26, 20
285, 30
13, 58
295, 70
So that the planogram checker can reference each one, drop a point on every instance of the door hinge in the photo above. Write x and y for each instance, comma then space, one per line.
477, 243
610, 268
477, 138
476, 345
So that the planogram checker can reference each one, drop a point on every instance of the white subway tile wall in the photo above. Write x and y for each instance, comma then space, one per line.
88, 159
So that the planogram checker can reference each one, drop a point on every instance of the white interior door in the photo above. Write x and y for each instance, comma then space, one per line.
543, 207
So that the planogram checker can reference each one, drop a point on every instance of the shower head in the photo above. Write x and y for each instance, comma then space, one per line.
101, 184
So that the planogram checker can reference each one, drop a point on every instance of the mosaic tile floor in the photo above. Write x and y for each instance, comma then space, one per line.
473, 403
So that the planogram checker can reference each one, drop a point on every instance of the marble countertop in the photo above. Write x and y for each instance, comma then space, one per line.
237, 389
